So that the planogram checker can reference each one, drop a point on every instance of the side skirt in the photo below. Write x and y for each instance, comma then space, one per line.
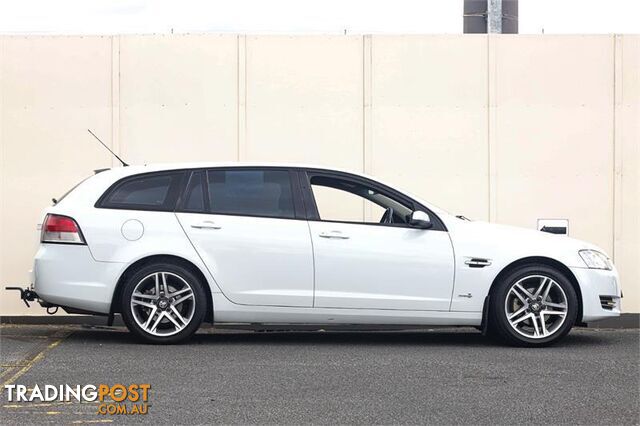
227, 312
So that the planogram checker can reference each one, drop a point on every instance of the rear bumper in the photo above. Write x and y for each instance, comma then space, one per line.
67, 275
594, 284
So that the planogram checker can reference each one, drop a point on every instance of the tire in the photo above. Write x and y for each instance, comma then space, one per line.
172, 295
534, 305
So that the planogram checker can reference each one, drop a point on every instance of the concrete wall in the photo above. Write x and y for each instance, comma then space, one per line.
502, 128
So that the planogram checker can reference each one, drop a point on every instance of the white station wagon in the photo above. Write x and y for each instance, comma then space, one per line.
171, 246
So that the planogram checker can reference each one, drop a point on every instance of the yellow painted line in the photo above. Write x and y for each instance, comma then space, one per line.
53, 413
39, 356
7, 371
25, 336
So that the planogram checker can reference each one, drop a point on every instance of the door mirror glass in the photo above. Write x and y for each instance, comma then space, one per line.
420, 219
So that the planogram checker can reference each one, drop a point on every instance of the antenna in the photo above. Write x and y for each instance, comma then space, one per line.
108, 149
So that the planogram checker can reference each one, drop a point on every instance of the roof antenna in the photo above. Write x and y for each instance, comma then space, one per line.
108, 149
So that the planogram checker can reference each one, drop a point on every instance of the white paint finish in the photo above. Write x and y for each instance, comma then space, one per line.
594, 283
503, 245
178, 91
381, 267
360, 276
255, 260
132, 230
232, 313
162, 233
68, 275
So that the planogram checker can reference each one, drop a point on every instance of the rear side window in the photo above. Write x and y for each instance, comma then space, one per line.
251, 193
155, 191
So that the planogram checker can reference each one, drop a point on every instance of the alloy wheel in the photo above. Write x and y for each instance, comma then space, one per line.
536, 306
163, 303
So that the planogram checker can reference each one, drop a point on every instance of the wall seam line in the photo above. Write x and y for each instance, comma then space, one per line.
491, 113
367, 89
615, 152
241, 96
618, 157
238, 97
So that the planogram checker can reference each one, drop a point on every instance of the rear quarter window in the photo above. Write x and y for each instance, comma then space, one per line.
152, 191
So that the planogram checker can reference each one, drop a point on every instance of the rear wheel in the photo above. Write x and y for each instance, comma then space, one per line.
534, 305
163, 303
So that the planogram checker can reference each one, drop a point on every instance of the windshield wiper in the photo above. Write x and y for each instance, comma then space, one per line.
463, 218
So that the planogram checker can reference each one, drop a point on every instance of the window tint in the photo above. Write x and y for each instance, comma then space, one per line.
194, 195
147, 192
251, 192
345, 201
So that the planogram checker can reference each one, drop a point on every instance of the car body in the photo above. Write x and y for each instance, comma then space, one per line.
256, 241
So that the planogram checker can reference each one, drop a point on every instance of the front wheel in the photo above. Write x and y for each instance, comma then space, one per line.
163, 303
533, 306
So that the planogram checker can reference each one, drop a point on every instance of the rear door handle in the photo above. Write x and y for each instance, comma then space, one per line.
334, 234
206, 225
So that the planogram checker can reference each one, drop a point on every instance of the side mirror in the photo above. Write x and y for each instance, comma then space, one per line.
420, 219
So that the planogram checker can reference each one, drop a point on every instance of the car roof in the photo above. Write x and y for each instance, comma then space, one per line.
157, 167
111, 175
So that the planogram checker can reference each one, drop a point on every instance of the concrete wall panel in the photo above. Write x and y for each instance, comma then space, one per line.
429, 118
52, 90
178, 98
554, 133
627, 194
304, 100
505, 128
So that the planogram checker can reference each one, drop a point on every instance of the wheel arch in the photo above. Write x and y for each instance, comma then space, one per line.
553, 263
115, 300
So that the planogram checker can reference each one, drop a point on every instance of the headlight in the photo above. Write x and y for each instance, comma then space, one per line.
595, 260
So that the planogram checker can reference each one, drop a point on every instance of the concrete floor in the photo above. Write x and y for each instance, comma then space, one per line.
442, 376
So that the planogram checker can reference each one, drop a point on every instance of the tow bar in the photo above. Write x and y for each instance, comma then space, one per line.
27, 295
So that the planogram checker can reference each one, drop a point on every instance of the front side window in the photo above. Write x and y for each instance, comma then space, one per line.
343, 200
155, 191
250, 192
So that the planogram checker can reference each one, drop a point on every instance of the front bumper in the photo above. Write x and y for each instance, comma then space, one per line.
594, 285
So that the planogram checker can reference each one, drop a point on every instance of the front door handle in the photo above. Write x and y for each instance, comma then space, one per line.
334, 234
207, 224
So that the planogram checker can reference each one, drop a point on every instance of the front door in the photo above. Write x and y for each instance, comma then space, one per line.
243, 224
366, 254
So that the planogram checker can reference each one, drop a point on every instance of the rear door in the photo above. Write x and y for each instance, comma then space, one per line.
248, 227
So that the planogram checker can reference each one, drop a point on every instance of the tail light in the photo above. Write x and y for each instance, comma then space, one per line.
61, 229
